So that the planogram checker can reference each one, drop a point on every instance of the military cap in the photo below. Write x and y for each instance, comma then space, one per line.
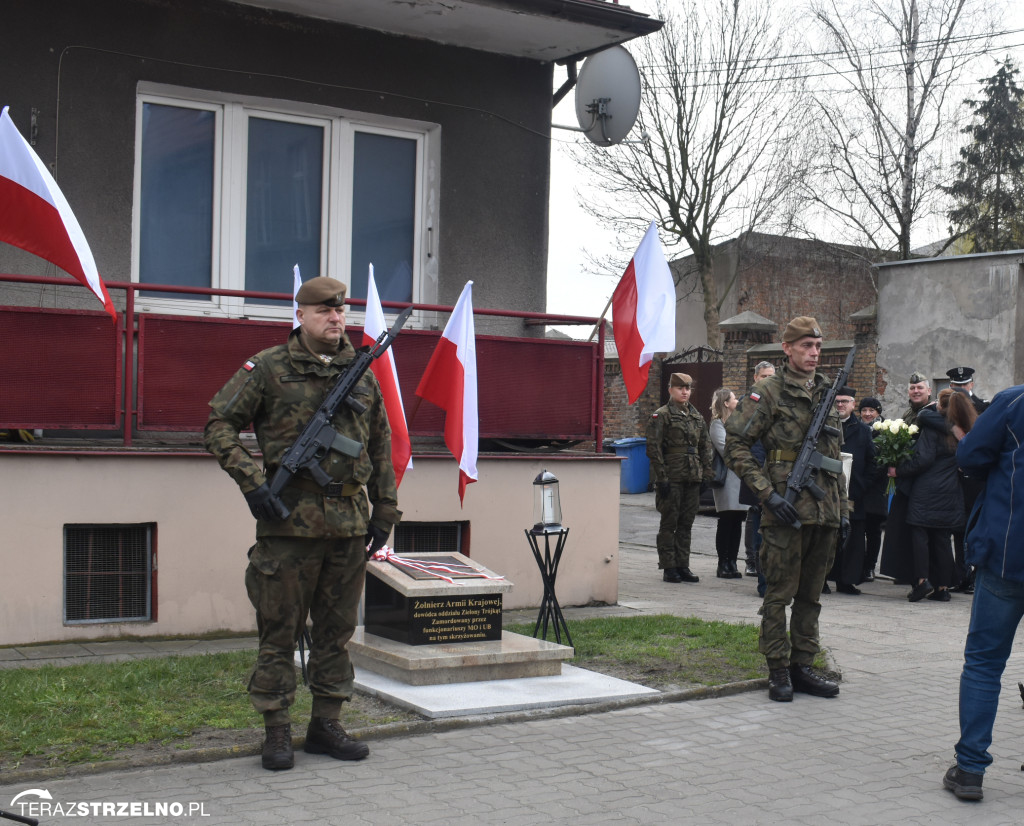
679, 380
961, 375
846, 390
321, 290
800, 327
917, 377
872, 402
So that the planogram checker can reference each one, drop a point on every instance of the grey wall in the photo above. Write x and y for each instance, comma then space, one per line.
79, 63
946, 312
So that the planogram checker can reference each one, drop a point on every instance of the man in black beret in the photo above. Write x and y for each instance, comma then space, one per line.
876, 505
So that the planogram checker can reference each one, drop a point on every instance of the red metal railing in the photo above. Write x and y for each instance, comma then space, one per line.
75, 370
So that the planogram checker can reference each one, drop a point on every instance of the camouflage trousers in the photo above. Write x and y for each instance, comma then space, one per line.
795, 563
678, 511
287, 579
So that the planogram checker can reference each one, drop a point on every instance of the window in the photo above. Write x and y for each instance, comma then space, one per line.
108, 573
231, 194
431, 537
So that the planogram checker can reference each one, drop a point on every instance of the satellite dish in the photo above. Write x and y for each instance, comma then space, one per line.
608, 96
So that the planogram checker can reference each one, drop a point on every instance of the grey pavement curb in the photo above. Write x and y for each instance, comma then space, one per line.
387, 731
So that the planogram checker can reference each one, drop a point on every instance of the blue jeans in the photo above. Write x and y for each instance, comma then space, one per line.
995, 614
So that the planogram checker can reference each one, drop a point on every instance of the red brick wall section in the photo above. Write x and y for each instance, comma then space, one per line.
782, 278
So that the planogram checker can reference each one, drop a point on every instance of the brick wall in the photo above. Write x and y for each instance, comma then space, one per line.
782, 278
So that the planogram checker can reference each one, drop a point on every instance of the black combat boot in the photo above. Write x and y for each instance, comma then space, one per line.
780, 688
326, 736
277, 748
686, 575
671, 575
806, 680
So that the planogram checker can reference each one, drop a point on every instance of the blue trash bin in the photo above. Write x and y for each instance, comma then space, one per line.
635, 472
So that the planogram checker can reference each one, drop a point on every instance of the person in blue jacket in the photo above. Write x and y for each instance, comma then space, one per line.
994, 451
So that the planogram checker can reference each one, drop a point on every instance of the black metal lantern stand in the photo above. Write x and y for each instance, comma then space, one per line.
547, 511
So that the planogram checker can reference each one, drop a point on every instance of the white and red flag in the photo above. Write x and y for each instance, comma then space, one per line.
643, 313
296, 286
35, 215
449, 381
386, 372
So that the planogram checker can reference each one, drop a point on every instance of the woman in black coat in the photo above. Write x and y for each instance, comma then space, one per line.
936, 506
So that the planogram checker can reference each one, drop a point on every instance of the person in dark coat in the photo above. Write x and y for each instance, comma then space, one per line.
936, 503
962, 379
897, 559
876, 502
848, 569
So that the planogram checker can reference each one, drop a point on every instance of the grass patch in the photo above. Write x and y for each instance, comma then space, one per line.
68, 715
664, 651
95, 711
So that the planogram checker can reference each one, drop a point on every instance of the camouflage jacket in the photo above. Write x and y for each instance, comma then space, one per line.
678, 444
278, 391
778, 411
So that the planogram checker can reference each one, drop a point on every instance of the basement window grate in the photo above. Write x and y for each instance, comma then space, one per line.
108, 573
428, 537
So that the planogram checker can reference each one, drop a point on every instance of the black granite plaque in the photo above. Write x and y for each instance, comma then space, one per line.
436, 620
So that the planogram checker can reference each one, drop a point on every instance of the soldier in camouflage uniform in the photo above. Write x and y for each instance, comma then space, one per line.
778, 411
313, 559
679, 448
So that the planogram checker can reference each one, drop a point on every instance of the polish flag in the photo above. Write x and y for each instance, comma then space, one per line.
35, 215
643, 313
450, 382
387, 377
296, 286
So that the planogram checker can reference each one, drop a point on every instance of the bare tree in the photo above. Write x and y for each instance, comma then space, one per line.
888, 111
721, 119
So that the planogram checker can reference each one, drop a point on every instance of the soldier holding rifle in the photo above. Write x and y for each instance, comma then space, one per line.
312, 526
803, 496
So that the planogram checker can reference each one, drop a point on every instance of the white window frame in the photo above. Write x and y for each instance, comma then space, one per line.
232, 113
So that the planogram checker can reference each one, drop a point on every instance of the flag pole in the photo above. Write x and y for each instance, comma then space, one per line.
600, 318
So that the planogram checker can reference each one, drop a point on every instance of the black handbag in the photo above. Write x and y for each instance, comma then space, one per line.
719, 470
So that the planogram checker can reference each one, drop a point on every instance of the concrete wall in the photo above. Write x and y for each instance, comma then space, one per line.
939, 313
77, 65
204, 530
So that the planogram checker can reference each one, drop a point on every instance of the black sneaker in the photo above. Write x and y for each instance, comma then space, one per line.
869, 575
965, 785
920, 591
751, 569
277, 748
845, 588
806, 680
326, 736
940, 595
780, 688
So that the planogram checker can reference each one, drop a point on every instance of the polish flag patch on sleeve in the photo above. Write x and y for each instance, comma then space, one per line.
249, 365
755, 396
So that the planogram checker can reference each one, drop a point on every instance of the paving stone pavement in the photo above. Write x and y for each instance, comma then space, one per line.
874, 755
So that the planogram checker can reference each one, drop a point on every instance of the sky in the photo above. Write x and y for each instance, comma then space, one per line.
572, 233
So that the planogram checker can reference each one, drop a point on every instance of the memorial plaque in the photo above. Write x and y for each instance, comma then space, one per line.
416, 608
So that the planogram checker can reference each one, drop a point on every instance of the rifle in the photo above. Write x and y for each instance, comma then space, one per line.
809, 459
318, 436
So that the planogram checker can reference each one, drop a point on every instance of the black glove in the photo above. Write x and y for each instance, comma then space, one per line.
664, 488
784, 512
264, 505
844, 532
375, 539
